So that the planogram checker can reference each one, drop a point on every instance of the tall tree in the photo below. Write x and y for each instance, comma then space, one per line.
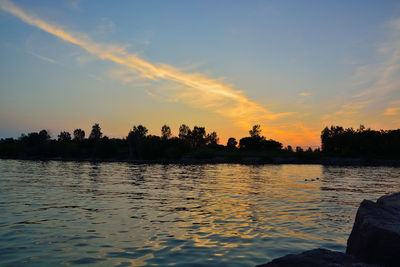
79, 134
184, 131
138, 132
135, 138
256, 131
212, 139
96, 133
197, 136
64, 136
232, 143
44, 135
165, 132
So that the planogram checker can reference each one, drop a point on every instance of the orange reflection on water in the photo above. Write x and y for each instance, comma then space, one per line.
119, 213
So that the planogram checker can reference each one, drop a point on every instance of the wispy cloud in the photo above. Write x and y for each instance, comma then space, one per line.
195, 88
352, 108
304, 94
393, 109
47, 59
74, 4
346, 112
106, 26
124, 75
376, 83
29, 50
384, 76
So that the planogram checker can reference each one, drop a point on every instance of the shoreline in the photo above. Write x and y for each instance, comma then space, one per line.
325, 161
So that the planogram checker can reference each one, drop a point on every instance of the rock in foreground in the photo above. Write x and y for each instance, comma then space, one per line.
375, 237
316, 257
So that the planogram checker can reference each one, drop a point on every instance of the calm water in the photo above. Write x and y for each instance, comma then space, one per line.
123, 214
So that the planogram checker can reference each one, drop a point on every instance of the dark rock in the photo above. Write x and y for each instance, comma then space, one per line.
316, 258
375, 237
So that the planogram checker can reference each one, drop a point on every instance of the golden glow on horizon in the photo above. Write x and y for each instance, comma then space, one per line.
371, 96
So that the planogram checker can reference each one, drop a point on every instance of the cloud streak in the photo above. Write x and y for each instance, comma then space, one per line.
379, 82
304, 94
383, 77
193, 88
47, 59
394, 108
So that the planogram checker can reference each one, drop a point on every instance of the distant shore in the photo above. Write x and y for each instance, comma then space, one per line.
326, 161
339, 146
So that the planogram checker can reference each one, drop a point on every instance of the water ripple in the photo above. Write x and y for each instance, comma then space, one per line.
132, 215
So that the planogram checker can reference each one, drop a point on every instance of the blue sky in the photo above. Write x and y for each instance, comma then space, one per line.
292, 67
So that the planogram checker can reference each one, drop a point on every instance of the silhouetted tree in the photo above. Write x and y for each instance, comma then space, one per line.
96, 133
79, 134
151, 147
257, 142
363, 142
135, 139
138, 132
35, 138
36, 143
197, 137
44, 135
271, 145
184, 131
254, 142
64, 136
249, 143
232, 143
336, 140
256, 131
165, 132
212, 139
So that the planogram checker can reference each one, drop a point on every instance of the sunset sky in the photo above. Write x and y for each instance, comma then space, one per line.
292, 66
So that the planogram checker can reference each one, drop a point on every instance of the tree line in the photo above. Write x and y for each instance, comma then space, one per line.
195, 142
363, 141
138, 144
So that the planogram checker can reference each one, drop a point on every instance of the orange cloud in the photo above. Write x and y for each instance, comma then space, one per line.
196, 89
394, 109
304, 94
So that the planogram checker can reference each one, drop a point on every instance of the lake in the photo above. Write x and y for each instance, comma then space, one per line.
121, 214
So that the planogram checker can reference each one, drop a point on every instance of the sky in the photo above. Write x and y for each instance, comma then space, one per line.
291, 67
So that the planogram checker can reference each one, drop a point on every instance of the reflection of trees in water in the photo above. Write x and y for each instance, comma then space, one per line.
94, 171
136, 174
94, 178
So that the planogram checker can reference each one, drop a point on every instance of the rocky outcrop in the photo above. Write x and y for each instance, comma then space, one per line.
315, 258
375, 237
